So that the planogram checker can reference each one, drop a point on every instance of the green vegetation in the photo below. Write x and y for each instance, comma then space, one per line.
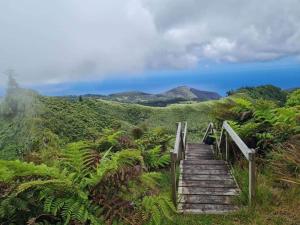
89, 182
91, 161
175, 95
267, 92
273, 130
48, 122
294, 98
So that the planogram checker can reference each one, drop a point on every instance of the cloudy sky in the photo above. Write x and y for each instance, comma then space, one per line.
69, 46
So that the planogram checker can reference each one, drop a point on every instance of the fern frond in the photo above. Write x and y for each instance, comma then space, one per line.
155, 159
39, 183
151, 179
158, 209
11, 169
116, 162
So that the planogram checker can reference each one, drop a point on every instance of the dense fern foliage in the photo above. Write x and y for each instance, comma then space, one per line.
85, 185
88, 181
269, 127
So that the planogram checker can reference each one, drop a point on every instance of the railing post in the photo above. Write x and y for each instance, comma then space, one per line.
184, 139
182, 146
220, 142
173, 177
251, 176
226, 146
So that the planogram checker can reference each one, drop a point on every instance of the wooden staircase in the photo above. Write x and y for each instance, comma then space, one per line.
205, 185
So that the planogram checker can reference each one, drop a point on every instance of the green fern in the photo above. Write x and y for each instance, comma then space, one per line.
158, 208
155, 159
114, 163
11, 169
151, 179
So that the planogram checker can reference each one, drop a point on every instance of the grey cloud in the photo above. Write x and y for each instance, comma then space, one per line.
232, 30
55, 41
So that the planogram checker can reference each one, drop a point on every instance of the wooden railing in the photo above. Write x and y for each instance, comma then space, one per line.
177, 154
228, 132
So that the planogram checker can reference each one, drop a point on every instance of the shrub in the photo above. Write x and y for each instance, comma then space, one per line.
293, 98
137, 133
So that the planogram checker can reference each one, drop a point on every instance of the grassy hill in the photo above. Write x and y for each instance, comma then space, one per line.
179, 94
59, 121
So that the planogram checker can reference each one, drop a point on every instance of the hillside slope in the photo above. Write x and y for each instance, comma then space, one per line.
57, 121
189, 93
175, 95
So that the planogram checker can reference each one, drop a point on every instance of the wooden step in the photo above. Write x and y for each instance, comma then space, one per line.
205, 208
207, 183
197, 171
199, 154
203, 162
196, 145
199, 158
205, 177
199, 150
208, 191
205, 167
205, 199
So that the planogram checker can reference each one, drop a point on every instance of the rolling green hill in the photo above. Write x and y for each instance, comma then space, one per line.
179, 94
41, 121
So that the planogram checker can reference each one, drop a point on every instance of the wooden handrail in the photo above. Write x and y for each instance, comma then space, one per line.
207, 132
184, 137
178, 140
177, 154
249, 154
237, 140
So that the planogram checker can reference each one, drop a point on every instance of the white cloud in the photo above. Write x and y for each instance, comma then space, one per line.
55, 41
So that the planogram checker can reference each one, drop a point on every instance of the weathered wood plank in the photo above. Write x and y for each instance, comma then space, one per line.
205, 199
198, 153
206, 208
205, 167
203, 162
201, 171
207, 191
199, 150
197, 145
207, 183
206, 177
196, 150
199, 158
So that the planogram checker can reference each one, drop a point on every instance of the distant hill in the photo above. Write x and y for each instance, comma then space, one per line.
268, 92
188, 93
175, 95
289, 90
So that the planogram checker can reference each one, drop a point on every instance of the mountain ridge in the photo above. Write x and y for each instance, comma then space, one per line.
174, 95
